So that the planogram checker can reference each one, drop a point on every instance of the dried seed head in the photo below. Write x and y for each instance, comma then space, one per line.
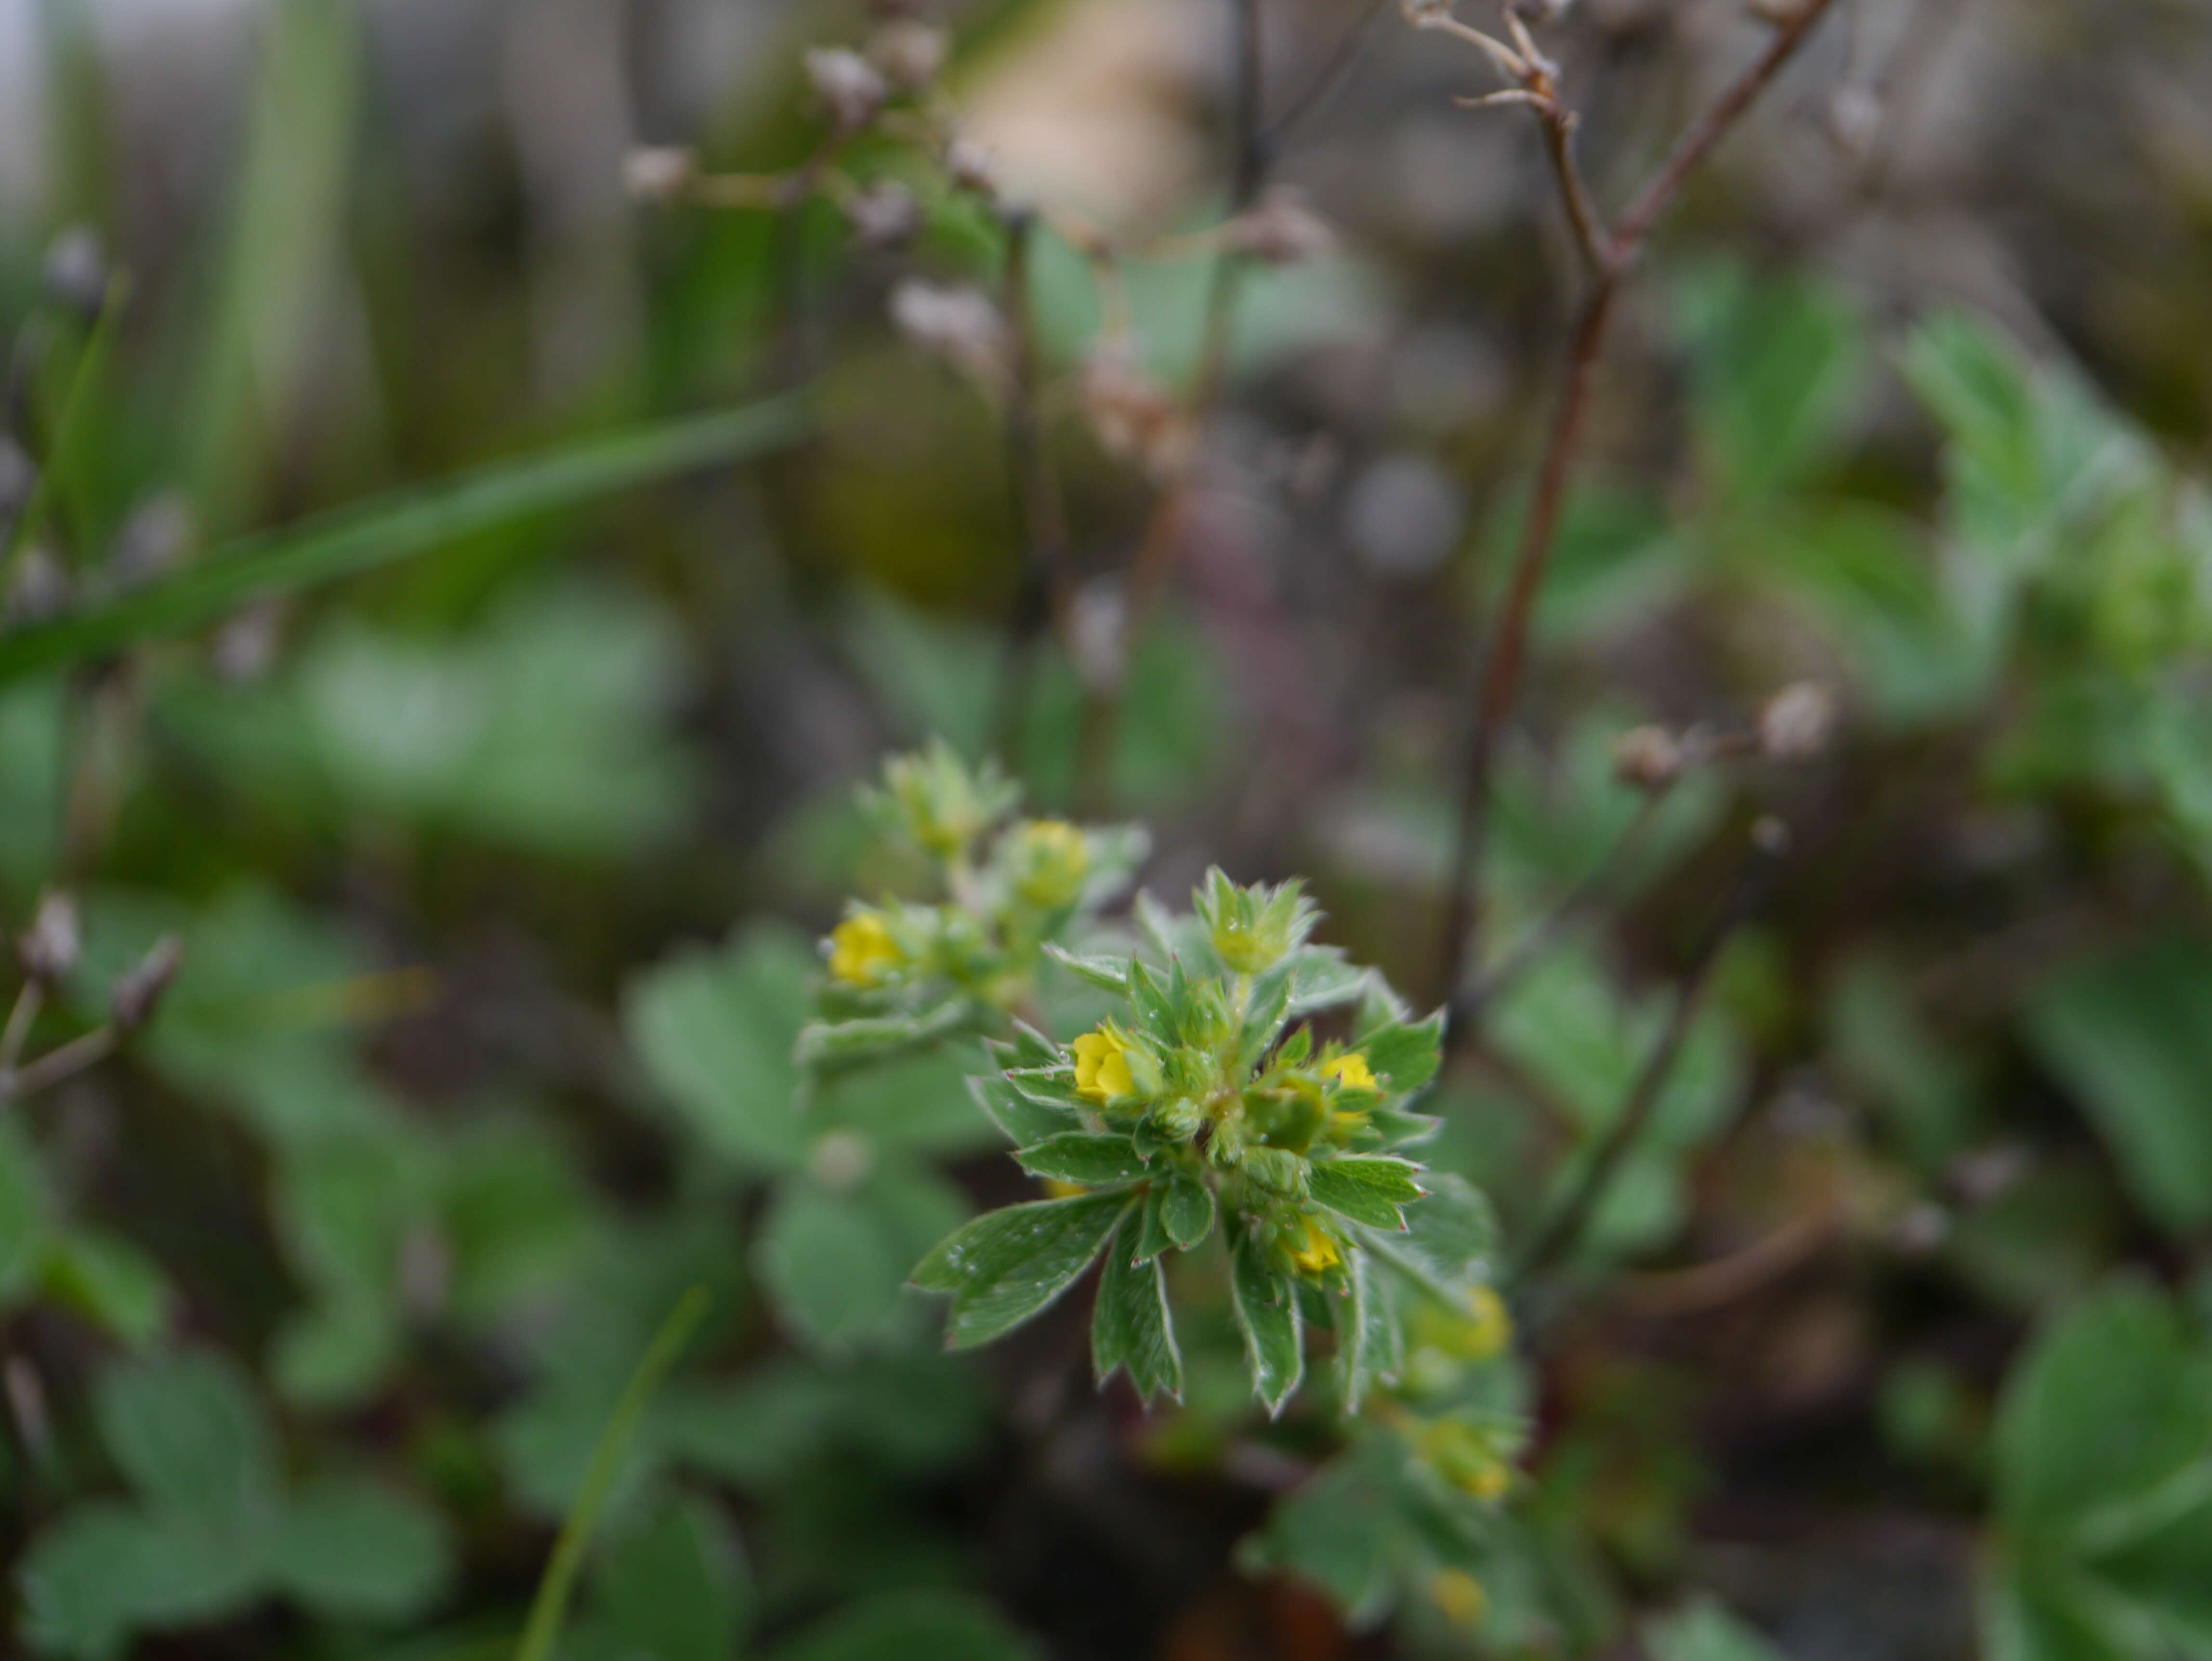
959, 325
971, 167
1648, 758
138, 991
1797, 722
883, 214
75, 274
1134, 416
1854, 118
908, 54
848, 84
659, 174
50, 947
1280, 229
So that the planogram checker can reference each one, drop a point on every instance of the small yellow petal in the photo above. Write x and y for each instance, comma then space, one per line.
1351, 1070
1459, 1597
1317, 1253
861, 950
1102, 1071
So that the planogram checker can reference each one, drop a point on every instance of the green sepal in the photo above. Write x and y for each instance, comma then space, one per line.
1187, 1208
1408, 1056
1020, 1116
1152, 1236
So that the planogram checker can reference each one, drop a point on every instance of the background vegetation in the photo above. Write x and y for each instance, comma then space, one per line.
496, 821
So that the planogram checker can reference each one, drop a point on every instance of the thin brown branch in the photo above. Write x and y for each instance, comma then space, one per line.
1334, 70
1504, 659
1591, 237
56, 1065
1557, 1237
1044, 586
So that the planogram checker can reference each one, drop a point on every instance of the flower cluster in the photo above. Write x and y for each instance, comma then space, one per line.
905, 971
1211, 1100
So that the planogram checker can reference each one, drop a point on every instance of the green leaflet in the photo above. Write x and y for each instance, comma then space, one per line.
1367, 1189
1007, 1265
1131, 1326
1267, 1314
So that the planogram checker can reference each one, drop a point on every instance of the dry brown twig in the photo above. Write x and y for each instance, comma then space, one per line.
1612, 257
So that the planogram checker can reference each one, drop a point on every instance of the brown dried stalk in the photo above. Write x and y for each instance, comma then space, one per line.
1613, 258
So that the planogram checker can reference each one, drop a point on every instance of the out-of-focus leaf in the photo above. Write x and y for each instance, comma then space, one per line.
676, 1588
918, 1625
1775, 362
2127, 1034
837, 1259
1705, 1631
105, 1571
352, 1550
23, 1212
716, 1032
188, 1431
359, 538
108, 1280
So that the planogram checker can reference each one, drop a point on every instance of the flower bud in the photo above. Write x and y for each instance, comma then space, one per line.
1797, 722
883, 214
1281, 229
659, 174
138, 990
908, 54
971, 167
1648, 758
50, 947
959, 325
76, 275
848, 84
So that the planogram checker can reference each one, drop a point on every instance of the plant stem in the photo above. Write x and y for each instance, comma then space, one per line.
51, 1068
1614, 261
549, 1609
1557, 1237
1042, 588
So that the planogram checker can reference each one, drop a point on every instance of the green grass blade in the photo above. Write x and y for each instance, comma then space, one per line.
549, 1609
386, 529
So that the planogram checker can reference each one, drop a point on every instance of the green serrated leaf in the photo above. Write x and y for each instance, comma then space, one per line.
1368, 1189
1322, 978
1094, 1159
1370, 1337
1108, 974
1449, 1239
1267, 1314
1019, 1115
1131, 1325
1152, 1236
1008, 1265
1407, 1055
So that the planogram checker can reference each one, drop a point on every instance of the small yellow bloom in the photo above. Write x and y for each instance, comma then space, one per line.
861, 950
1053, 858
1102, 1069
1489, 1326
1060, 1190
1318, 1252
1351, 1070
1459, 1597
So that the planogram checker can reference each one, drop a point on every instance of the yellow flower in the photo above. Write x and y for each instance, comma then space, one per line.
1351, 1070
1318, 1252
1102, 1069
861, 950
1459, 1597
1060, 1190
1488, 1327
1053, 858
